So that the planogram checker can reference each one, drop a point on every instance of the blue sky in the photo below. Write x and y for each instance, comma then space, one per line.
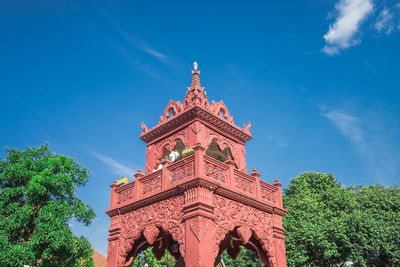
319, 81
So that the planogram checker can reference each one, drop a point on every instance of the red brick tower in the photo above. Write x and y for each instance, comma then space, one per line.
196, 199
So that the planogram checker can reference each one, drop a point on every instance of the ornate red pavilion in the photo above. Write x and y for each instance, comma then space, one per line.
195, 198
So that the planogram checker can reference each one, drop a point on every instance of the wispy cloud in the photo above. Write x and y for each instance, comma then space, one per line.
348, 125
279, 141
115, 166
132, 48
384, 22
342, 34
370, 136
140, 44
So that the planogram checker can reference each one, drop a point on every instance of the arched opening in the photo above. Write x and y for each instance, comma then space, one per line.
215, 151
176, 152
235, 253
164, 249
171, 113
222, 113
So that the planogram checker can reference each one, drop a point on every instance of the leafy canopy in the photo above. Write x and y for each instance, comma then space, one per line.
329, 224
37, 201
148, 257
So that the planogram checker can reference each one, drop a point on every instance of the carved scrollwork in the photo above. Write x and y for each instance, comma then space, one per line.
215, 172
176, 108
244, 184
125, 195
230, 214
179, 173
151, 184
216, 108
166, 214
268, 194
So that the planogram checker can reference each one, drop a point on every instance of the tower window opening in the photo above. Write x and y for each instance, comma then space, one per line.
171, 113
223, 114
215, 152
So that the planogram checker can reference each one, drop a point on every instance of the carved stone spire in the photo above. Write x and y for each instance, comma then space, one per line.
195, 79
196, 94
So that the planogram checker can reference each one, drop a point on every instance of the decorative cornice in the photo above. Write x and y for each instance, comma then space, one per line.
195, 112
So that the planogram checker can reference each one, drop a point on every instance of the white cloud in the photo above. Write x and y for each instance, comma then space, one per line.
373, 135
341, 35
384, 22
348, 125
140, 44
117, 167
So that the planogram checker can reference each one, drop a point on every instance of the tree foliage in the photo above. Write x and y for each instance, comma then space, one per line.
37, 201
147, 256
246, 258
329, 224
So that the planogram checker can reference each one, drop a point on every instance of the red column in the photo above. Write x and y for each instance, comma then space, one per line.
198, 221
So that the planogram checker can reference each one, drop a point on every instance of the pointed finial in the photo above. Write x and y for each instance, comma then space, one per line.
195, 79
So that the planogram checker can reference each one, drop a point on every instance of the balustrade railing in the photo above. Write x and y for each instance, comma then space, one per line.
151, 182
125, 192
268, 192
215, 169
181, 170
198, 165
244, 182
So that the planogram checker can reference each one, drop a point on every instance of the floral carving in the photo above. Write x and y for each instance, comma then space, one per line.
152, 184
125, 194
229, 214
166, 214
179, 173
110, 249
219, 109
176, 108
244, 184
150, 233
245, 233
215, 172
198, 227
267, 194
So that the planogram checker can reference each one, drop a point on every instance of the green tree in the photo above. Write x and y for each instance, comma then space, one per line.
37, 201
329, 224
246, 258
147, 256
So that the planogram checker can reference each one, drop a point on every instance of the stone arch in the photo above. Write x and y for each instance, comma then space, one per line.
146, 223
246, 238
155, 235
222, 147
220, 110
170, 142
176, 108
171, 145
235, 219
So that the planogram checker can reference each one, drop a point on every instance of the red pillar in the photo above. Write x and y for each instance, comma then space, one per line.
198, 219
